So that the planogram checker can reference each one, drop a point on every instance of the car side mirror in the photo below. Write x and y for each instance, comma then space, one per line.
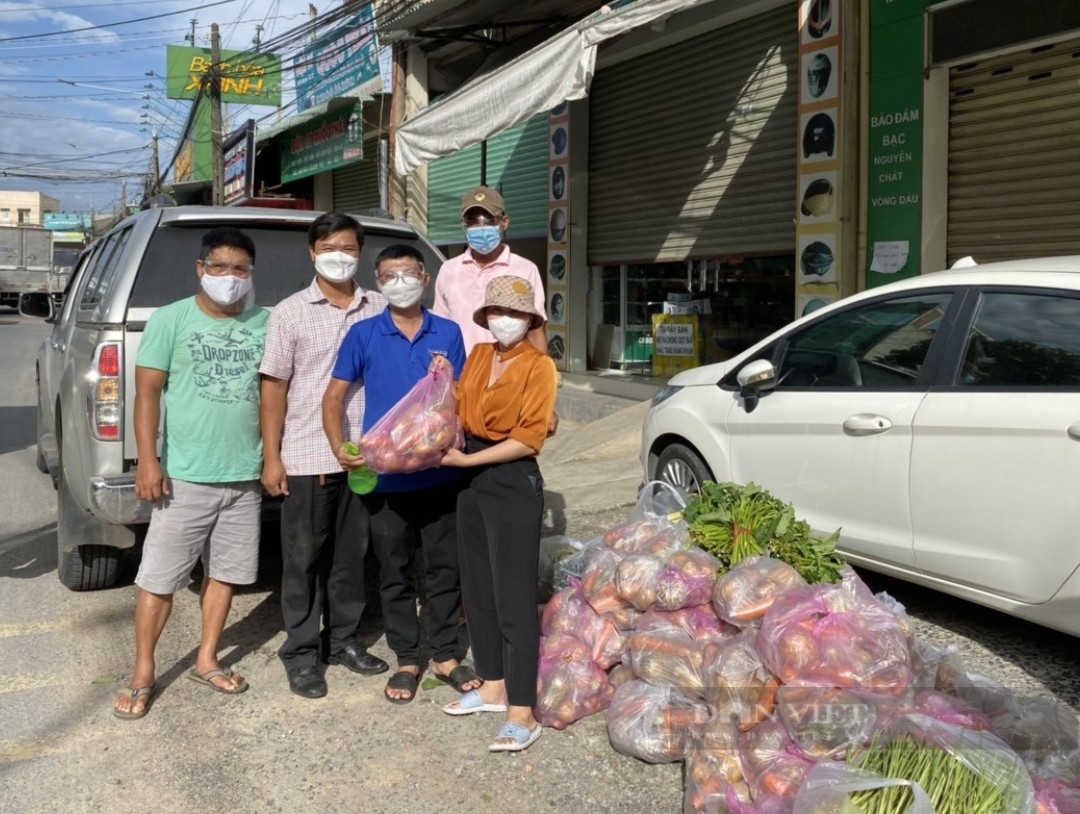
755, 378
39, 306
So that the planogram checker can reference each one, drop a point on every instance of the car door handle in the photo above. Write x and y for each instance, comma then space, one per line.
1074, 432
866, 424
58, 347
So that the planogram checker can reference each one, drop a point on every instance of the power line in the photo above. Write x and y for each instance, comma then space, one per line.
115, 25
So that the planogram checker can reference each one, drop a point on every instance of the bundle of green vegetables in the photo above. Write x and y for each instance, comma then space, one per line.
734, 522
952, 786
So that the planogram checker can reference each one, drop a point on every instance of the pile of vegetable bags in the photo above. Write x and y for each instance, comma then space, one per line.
784, 685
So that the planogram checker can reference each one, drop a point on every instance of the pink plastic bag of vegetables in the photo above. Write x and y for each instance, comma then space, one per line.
825, 722
762, 804
934, 704
601, 590
652, 723
737, 685
418, 430
829, 787
686, 580
569, 612
650, 535
569, 685
712, 765
668, 657
747, 591
835, 635
699, 621
1054, 797
636, 578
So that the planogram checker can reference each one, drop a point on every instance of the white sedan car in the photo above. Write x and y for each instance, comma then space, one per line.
936, 421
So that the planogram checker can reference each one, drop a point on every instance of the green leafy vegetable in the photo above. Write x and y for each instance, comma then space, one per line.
734, 522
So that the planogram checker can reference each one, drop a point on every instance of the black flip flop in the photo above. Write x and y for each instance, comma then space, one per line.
459, 677
403, 681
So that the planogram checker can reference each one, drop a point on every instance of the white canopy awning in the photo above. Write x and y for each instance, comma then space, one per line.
560, 69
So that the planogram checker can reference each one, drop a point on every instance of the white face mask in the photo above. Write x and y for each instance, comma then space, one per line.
402, 292
507, 329
336, 267
227, 289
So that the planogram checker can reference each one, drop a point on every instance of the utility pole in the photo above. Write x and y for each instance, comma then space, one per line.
123, 198
218, 182
191, 37
258, 36
155, 167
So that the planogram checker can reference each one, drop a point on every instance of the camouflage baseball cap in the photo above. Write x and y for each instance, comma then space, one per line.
484, 198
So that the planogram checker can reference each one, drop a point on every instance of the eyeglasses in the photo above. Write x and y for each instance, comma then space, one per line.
218, 269
401, 276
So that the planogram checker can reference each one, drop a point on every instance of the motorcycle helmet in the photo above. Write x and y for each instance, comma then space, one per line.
819, 135
820, 19
558, 226
558, 183
817, 201
557, 268
558, 140
817, 75
817, 258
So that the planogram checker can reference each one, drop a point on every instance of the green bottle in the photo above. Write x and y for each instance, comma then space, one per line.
362, 481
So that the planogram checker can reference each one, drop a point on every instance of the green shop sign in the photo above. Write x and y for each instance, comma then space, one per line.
331, 140
246, 78
894, 224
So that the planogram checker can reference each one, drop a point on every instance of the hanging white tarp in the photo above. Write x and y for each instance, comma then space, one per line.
560, 69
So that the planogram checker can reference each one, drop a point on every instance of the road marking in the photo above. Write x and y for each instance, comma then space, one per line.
33, 628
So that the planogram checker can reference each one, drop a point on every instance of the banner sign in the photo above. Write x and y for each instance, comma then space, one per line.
331, 140
248, 78
240, 164
65, 221
344, 61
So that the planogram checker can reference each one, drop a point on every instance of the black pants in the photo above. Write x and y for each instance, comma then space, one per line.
499, 516
400, 522
324, 539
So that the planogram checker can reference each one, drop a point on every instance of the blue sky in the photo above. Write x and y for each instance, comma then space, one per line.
77, 140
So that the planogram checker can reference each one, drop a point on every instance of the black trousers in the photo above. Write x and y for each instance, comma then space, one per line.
500, 512
400, 523
324, 539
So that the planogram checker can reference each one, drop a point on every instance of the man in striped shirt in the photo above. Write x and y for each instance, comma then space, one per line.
324, 527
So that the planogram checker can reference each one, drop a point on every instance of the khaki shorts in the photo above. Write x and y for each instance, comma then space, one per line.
218, 521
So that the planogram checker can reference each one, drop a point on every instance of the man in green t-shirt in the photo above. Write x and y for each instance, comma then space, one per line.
203, 354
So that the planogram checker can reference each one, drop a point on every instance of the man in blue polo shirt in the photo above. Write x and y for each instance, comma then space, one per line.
391, 353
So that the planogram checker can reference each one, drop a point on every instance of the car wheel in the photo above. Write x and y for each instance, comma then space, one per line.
90, 568
682, 468
83, 567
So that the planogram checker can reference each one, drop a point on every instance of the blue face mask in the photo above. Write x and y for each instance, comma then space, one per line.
483, 239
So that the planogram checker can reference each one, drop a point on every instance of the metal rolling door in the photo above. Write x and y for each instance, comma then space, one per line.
693, 148
356, 187
1014, 155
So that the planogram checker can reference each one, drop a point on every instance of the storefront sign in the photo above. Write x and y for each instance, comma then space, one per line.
344, 61
676, 343
253, 79
240, 164
894, 215
328, 141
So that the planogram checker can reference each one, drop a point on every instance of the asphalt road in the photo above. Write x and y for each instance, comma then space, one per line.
63, 655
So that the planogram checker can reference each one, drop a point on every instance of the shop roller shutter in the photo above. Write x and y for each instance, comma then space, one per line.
1014, 155
517, 164
693, 148
449, 179
356, 186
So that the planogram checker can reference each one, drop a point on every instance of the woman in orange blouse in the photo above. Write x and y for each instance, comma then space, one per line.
506, 396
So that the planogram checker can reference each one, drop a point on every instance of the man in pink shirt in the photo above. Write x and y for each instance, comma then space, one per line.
462, 280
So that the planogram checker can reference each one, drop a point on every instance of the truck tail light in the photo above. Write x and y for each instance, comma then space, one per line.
103, 394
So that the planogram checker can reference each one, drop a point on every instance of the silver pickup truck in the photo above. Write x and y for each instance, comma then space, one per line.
86, 368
